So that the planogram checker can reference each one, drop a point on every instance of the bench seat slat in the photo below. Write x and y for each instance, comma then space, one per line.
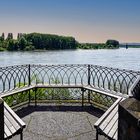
115, 137
111, 127
7, 131
108, 120
5, 136
11, 119
113, 130
107, 124
102, 118
15, 116
10, 125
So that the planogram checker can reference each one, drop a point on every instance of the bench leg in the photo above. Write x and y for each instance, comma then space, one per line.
89, 92
83, 90
21, 136
82, 99
96, 134
29, 97
35, 97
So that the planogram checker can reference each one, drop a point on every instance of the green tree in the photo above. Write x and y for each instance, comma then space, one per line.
11, 45
47, 41
22, 43
19, 35
10, 36
112, 43
2, 38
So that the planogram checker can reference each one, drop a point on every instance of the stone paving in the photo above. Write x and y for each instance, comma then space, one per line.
53, 122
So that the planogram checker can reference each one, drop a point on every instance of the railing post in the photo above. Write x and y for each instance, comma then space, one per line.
29, 75
29, 92
1, 119
89, 76
83, 90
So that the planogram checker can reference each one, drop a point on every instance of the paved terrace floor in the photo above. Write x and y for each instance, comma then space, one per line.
59, 122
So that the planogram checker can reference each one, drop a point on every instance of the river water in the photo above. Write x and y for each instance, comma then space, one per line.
118, 58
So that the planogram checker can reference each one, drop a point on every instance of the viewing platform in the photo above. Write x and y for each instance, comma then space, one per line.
64, 102
59, 122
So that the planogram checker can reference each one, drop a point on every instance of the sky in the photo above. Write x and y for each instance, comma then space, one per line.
86, 20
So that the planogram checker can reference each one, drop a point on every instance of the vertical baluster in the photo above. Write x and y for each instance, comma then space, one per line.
29, 75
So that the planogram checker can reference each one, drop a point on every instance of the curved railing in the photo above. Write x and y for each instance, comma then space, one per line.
70, 83
117, 80
13, 77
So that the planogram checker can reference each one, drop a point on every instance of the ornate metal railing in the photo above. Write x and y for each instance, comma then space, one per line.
60, 74
13, 77
117, 80
71, 83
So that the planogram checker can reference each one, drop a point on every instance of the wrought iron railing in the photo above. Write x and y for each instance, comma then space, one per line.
70, 83
68, 80
117, 80
13, 77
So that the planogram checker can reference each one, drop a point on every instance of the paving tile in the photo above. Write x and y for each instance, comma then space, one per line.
55, 124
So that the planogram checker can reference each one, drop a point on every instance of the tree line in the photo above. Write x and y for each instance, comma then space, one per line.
110, 44
35, 41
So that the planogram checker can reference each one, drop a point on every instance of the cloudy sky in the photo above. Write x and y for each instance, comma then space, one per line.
86, 20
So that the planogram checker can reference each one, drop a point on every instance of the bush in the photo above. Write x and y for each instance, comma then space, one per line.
2, 49
29, 48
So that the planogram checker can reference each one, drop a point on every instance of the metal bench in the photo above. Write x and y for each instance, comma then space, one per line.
107, 124
11, 123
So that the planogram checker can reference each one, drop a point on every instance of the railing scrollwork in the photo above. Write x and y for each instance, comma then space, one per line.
117, 80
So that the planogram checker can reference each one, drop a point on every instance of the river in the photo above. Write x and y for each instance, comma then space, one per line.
118, 58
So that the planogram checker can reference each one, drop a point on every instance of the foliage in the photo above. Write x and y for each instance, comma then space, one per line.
29, 48
91, 46
3, 44
10, 36
2, 49
11, 45
41, 93
34, 41
47, 41
112, 43
3, 37
19, 35
22, 43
